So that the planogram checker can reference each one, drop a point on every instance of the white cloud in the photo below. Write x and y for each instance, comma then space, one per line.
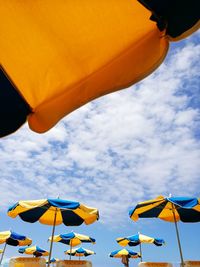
122, 148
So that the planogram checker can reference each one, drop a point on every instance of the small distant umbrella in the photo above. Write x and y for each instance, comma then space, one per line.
1, 251
13, 239
73, 239
171, 209
124, 254
52, 260
137, 239
34, 250
80, 252
54, 212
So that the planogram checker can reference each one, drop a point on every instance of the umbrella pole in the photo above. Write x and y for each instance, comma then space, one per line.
3, 253
51, 245
70, 256
140, 252
178, 238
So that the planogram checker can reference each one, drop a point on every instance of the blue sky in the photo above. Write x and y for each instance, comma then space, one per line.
120, 149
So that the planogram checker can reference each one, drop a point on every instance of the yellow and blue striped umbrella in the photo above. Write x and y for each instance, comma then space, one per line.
52, 260
79, 252
137, 239
124, 252
34, 250
54, 212
125, 255
13, 239
171, 209
70, 213
73, 239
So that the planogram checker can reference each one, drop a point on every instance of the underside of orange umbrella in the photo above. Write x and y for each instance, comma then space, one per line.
68, 53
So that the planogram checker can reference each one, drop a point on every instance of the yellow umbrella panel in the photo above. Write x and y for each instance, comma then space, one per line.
68, 53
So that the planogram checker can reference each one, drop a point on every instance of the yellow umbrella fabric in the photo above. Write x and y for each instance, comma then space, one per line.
70, 52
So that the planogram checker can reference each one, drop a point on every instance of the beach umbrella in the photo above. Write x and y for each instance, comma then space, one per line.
124, 254
13, 239
73, 239
67, 54
54, 212
170, 209
137, 239
34, 250
52, 260
79, 252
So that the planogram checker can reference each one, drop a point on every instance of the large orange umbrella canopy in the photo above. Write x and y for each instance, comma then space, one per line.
55, 57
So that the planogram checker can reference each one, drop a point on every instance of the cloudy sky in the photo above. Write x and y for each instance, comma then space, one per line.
125, 147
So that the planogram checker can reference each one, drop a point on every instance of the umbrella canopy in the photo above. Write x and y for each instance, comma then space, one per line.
124, 252
34, 250
46, 79
79, 252
73, 239
54, 212
137, 239
125, 255
13, 239
171, 209
70, 213
1, 251
52, 260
